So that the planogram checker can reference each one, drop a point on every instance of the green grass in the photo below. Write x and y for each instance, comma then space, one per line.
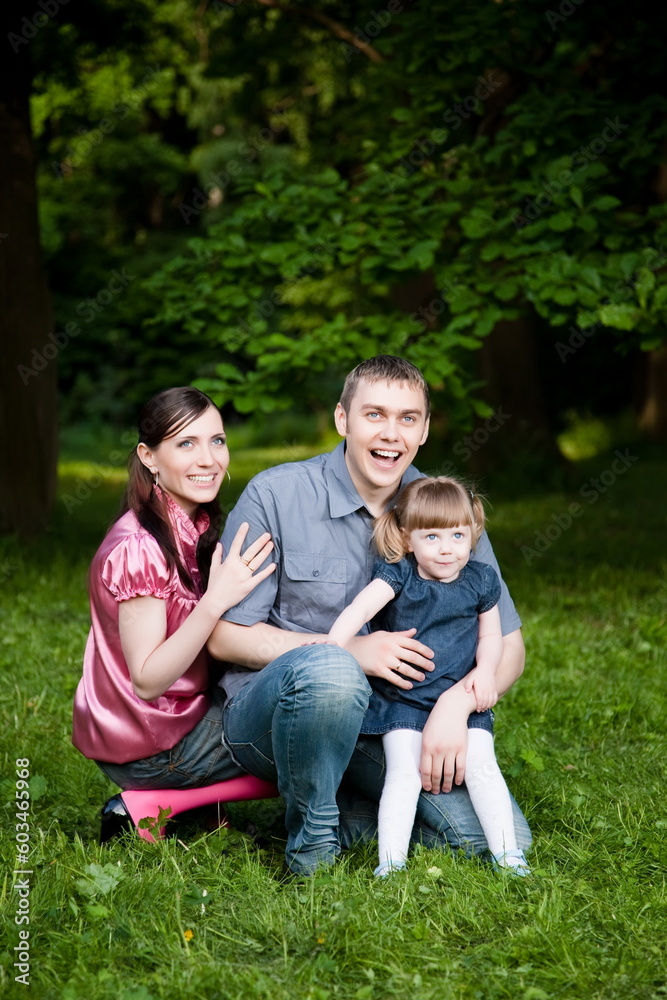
208, 915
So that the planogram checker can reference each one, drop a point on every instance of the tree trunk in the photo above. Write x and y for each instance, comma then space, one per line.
28, 399
653, 416
508, 364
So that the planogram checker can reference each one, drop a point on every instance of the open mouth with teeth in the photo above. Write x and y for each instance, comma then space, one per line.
205, 480
386, 457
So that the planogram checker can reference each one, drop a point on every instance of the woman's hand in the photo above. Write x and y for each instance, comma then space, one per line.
156, 662
445, 740
237, 576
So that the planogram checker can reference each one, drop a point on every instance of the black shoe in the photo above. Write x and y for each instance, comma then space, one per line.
115, 819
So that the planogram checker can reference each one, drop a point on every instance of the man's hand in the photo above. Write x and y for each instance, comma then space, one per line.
481, 681
445, 740
394, 656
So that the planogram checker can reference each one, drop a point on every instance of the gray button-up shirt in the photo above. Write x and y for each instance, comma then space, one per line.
322, 532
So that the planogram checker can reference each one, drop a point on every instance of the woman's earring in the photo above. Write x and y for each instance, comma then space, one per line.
228, 476
156, 479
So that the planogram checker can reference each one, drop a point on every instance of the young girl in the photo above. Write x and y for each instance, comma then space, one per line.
143, 709
425, 581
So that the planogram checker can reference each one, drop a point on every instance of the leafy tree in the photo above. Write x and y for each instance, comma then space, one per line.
79, 61
290, 187
485, 182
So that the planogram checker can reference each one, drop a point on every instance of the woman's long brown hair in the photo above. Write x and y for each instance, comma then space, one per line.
164, 415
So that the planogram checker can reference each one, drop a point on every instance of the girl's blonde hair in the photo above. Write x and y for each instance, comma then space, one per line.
438, 502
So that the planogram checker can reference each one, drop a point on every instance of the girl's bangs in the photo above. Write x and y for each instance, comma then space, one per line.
438, 505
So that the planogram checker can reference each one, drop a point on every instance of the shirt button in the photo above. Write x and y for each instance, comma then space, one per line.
316, 572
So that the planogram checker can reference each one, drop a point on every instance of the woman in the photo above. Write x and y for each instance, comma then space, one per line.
144, 710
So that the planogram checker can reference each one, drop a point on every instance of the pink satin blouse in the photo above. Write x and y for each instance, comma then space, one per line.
110, 722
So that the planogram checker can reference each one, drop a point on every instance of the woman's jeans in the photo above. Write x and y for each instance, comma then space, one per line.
200, 758
296, 722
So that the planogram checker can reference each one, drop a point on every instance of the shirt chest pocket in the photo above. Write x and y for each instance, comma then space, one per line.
312, 590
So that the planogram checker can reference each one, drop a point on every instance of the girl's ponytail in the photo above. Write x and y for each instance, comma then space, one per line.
388, 537
479, 517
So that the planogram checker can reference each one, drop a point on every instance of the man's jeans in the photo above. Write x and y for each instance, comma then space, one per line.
296, 722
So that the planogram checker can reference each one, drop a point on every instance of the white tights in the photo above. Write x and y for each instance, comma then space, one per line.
398, 805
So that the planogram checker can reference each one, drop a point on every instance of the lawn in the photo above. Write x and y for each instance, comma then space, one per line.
208, 914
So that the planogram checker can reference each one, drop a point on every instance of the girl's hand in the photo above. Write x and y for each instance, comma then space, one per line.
237, 576
482, 682
445, 741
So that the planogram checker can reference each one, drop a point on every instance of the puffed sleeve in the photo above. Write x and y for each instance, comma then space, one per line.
136, 567
392, 573
490, 589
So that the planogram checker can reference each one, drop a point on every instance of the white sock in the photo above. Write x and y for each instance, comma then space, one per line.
402, 785
489, 793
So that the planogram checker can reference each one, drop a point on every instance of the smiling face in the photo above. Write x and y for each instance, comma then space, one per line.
190, 464
384, 426
441, 553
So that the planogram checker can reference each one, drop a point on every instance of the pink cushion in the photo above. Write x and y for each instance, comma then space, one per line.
148, 802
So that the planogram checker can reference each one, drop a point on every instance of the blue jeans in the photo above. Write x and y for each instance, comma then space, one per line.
444, 819
296, 722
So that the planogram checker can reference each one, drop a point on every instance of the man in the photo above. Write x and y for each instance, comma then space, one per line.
295, 711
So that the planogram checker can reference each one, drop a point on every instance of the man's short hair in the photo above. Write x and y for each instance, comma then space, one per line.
383, 368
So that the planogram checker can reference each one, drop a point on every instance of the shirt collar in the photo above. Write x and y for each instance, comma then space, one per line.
343, 496
187, 530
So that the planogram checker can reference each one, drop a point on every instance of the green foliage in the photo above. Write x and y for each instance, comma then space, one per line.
544, 213
291, 212
310, 266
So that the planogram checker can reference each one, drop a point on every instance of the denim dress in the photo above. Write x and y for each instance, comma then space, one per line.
445, 616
